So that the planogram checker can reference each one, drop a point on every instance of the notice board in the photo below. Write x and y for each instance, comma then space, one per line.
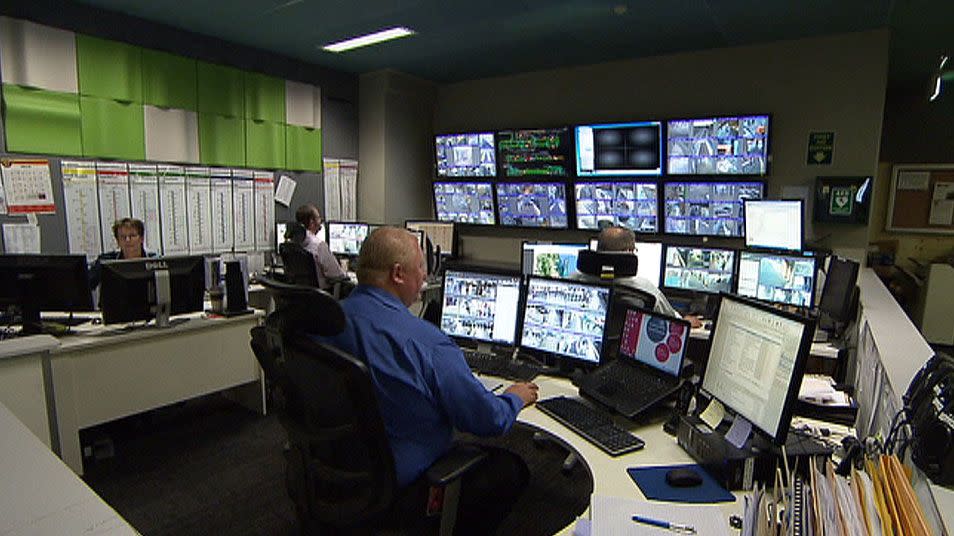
922, 199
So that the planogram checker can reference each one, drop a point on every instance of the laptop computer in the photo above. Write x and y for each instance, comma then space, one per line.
651, 351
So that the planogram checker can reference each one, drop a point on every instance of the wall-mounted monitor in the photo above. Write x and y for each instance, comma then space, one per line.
707, 208
549, 259
466, 155
633, 205
464, 202
534, 152
532, 204
345, 238
698, 269
732, 145
787, 279
774, 223
619, 149
842, 199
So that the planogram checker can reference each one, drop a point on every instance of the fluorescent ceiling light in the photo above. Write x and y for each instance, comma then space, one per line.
370, 39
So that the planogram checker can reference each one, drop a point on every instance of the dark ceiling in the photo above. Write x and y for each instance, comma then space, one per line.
463, 40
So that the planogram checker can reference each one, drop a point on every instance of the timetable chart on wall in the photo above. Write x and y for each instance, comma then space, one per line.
144, 203
264, 210
735, 145
481, 306
633, 205
172, 210
82, 209
698, 269
532, 204
112, 183
466, 155
707, 208
465, 202
199, 210
565, 318
243, 206
535, 152
787, 279
221, 186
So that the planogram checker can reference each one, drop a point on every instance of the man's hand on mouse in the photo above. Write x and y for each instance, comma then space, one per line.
694, 321
527, 391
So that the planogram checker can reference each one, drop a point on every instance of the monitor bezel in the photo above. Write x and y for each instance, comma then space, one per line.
716, 180
801, 230
570, 213
779, 435
620, 180
190, 261
570, 155
494, 272
437, 173
328, 225
525, 243
768, 146
824, 216
780, 253
454, 244
665, 255
493, 201
619, 173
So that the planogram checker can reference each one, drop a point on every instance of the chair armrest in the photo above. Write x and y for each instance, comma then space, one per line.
454, 464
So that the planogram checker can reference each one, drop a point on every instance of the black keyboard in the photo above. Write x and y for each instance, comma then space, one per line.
502, 367
593, 425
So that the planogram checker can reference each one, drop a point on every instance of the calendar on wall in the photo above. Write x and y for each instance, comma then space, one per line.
27, 186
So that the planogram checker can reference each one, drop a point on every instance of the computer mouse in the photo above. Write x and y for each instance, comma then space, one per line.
683, 478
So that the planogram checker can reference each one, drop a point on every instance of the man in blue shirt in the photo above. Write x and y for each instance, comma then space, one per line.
424, 386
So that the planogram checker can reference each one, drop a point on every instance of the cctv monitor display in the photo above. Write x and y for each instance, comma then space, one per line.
534, 152
698, 269
532, 204
633, 205
466, 155
549, 259
787, 279
734, 145
710, 208
774, 224
619, 149
345, 238
465, 202
565, 319
481, 306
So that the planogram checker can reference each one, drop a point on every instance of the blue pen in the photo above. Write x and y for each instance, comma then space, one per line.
674, 527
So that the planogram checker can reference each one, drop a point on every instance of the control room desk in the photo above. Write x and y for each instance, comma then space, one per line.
104, 373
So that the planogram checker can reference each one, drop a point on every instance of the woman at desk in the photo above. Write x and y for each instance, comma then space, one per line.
129, 234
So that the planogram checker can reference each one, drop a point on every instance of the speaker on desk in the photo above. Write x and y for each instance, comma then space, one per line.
236, 301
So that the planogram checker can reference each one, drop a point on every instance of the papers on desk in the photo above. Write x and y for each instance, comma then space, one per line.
612, 516
818, 389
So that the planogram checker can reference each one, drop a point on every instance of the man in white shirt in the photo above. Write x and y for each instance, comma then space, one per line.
326, 265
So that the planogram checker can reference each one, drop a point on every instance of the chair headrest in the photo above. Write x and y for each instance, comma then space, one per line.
592, 262
304, 309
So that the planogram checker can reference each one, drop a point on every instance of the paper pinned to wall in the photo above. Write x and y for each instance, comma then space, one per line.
348, 175
3, 200
144, 203
243, 207
21, 238
172, 210
942, 204
285, 190
27, 186
264, 210
332, 180
221, 179
199, 210
914, 180
82, 210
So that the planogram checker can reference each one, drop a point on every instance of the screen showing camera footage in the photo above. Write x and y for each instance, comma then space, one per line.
550, 260
481, 306
346, 238
536, 152
707, 208
626, 204
466, 155
565, 318
532, 204
718, 146
619, 149
699, 269
465, 202
785, 279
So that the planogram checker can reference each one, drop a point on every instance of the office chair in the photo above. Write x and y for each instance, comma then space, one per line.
299, 263
339, 467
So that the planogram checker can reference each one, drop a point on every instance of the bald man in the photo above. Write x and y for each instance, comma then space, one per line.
424, 386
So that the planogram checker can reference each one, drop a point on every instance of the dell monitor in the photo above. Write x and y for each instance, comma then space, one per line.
469, 154
774, 224
839, 296
633, 205
154, 287
565, 320
777, 278
734, 145
464, 202
441, 234
549, 259
35, 283
481, 307
532, 204
619, 149
756, 362
842, 199
698, 269
707, 208
534, 152
345, 238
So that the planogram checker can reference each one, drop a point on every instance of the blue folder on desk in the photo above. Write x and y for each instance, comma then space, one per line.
652, 482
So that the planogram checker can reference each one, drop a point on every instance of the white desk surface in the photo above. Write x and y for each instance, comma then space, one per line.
32, 344
40, 495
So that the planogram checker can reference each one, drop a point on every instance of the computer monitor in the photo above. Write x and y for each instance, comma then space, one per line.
778, 278
633, 205
732, 145
756, 362
35, 283
707, 208
838, 295
549, 259
441, 234
470, 154
650, 256
774, 224
481, 306
154, 287
280, 229
464, 202
619, 149
534, 152
345, 238
565, 319
698, 269
842, 199
532, 204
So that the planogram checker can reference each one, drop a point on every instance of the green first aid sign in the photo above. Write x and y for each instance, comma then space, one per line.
821, 146
842, 200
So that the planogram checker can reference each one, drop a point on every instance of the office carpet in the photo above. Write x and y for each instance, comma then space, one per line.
208, 466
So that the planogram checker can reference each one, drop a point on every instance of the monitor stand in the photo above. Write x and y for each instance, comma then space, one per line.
485, 348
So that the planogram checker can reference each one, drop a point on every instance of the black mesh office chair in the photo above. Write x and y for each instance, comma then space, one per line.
339, 468
299, 263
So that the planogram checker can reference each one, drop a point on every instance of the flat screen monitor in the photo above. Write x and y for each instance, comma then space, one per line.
842, 199
481, 306
464, 202
128, 292
619, 149
565, 319
532, 204
698, 269
633, 205
654, 340
35, 283
733, 145
756, 362
441, 234
469, 154
836, 297
345, 238
650, 256
786, 279
774, 224
534, 152
710, 208
548, 259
